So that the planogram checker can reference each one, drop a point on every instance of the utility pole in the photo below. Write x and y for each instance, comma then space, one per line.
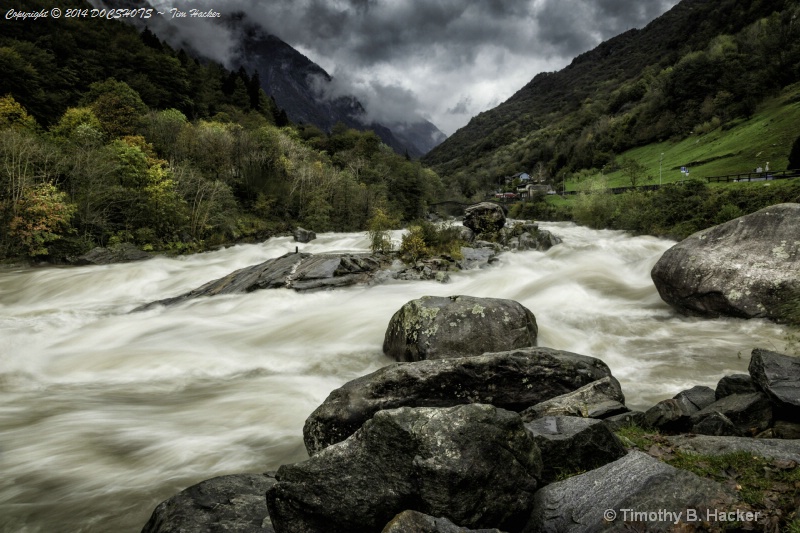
660, 161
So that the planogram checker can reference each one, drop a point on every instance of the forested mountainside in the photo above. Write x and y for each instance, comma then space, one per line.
704, 64
108, 135
300, 87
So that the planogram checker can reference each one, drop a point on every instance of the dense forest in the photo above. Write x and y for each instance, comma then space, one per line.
108, 135
701, 66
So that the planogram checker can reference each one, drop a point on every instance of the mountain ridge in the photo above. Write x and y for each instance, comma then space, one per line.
590, 106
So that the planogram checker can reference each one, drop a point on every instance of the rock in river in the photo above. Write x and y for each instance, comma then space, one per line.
435, 327
744, 268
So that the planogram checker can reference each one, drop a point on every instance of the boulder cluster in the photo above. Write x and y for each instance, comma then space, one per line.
490, 434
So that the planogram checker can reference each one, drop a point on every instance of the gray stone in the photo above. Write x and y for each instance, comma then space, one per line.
475, 464
669, 415
698, 397
435, 327
636, 481
512, 380
299, 271
599, 399
476, 257
119, 253
787, 450
749, 414
303, 235
734, 384
743, 268
623, 420
778, 375
416, 522
232, 503
484, 218
572, 444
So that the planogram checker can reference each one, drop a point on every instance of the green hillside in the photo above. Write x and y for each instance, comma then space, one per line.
703, 68
740, 147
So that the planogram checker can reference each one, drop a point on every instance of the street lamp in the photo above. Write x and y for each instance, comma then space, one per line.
659, 168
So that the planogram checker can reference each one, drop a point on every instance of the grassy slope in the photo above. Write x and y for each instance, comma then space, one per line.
766, 137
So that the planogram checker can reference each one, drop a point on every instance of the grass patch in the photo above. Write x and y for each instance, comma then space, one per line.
765, 137
770, 487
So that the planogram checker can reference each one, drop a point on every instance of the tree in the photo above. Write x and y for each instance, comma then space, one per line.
379, 225
12, 114
43, 216
118, 107
634, 171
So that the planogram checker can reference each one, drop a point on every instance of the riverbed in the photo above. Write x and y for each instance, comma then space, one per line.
103, 414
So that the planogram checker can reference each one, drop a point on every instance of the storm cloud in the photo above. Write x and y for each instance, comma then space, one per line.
446, 60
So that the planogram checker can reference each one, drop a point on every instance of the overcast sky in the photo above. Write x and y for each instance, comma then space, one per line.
446, 60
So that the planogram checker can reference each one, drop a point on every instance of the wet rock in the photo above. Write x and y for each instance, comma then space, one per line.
512, 380
228, 503
749, 415
743, 268
435, 327
788, 450
631, 418
598, 399
299, 271
734, 384
118, 253
303, 235
675, 414
697, 398
476, 257
634, 482
571, 444
416, 522
778, 376
484, 218
475, 464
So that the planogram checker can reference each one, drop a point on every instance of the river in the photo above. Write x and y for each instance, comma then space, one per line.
103, 414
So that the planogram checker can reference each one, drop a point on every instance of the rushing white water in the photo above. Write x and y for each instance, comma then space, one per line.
103, 414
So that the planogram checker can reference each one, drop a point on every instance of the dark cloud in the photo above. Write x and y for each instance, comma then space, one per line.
446, 60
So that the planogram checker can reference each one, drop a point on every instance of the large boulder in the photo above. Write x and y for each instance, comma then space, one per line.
298, 271
512, 380
572, 444
484, 218
232, 503
605, 498
674, 414
435, 327
778, 376
475, 465
744, 268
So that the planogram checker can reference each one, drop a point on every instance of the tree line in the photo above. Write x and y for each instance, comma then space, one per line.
107, 135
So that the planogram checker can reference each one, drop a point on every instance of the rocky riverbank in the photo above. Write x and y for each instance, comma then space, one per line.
520, 440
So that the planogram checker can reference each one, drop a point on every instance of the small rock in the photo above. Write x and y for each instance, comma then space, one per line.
749, 414
232, 503
599, 399
734, 384
303, 235
778, 376
571, 444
